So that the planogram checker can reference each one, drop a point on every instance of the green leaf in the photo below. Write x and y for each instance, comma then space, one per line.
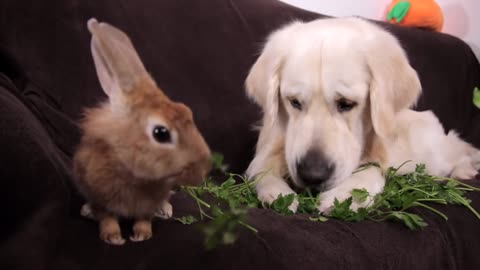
307, 203
341, 210
420, 169
282, 203
218, 162
216, 211
229, 238
360, 195
227, 212
221, 230
318, 218
366, 166
476, 97
186, 220
412, 221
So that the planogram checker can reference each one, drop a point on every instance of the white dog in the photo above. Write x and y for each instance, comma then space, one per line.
336, 94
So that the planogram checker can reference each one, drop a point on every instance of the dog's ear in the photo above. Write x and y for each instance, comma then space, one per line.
263, 81
394, 83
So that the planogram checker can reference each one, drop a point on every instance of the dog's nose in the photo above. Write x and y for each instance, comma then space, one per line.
314, 168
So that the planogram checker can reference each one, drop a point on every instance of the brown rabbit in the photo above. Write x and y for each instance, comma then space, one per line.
136, 146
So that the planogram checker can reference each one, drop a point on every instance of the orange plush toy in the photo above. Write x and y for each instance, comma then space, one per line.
418, 13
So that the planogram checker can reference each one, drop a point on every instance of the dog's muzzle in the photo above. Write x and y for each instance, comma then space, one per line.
314, 169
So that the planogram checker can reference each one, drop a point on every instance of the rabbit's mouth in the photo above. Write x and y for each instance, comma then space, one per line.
171, 178
192, 174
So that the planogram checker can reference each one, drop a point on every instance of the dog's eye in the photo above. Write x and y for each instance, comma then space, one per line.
345, 105
296, 104
161, 134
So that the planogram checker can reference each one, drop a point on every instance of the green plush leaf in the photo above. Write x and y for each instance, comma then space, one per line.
399, 11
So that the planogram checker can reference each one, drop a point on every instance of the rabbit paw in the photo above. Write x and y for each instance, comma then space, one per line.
165, 211
86, 211
142, 230
110, 232
114, 238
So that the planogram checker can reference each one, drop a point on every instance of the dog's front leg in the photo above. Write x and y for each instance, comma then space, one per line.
370, 179
269, 187
268, 167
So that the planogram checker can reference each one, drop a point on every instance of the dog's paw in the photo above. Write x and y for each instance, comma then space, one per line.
464, 171
86, 211
165, 211
371, 180
327, 200
269, 192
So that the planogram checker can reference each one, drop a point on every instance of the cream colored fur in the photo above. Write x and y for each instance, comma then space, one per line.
320, 62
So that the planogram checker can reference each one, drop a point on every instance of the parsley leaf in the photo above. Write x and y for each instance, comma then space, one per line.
360, 195
186, 220
476, 97
281, 204
232, 199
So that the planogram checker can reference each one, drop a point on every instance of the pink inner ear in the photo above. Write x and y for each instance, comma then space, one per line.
103, 74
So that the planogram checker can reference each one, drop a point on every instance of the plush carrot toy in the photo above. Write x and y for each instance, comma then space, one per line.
418, 13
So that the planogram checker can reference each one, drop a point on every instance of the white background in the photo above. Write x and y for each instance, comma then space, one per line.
461, 17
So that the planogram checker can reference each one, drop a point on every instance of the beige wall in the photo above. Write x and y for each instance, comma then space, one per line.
462, 17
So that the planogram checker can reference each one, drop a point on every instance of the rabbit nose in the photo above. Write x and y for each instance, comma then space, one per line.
207, 161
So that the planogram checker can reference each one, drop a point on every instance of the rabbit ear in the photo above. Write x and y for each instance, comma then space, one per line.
117, 63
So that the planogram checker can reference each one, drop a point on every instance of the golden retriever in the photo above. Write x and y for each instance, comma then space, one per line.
336, 94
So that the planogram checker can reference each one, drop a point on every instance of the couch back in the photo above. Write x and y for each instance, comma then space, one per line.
198, 52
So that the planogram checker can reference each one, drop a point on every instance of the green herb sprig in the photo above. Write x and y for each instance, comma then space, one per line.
416, 189
231, 201
234, 197
476, 97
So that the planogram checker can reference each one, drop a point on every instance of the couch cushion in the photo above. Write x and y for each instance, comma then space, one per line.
200, 54
292, 242
34, 189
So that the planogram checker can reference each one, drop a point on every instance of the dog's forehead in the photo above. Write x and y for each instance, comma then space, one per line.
299, 71
320, 64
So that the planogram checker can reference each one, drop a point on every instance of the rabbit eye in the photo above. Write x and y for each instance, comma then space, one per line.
161, 134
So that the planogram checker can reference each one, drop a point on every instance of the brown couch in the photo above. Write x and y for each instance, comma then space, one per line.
199, 52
